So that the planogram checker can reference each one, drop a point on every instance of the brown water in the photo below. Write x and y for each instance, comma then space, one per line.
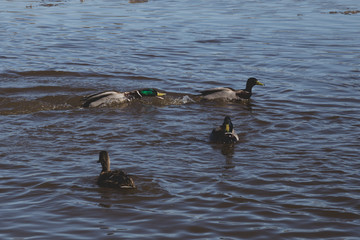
293, 175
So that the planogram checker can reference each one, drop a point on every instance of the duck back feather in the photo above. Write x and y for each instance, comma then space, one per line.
115, 179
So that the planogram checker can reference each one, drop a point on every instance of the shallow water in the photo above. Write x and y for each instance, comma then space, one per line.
293, 175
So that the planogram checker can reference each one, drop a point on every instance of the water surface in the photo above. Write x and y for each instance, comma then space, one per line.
293, 175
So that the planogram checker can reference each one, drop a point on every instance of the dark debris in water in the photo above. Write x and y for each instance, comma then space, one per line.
49, 3
347, 12
138, 1
55, 3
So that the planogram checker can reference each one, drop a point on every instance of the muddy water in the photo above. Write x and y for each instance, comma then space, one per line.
293, 175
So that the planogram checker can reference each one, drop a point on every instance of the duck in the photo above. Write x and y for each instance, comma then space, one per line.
113, 178
107, 97
227, 93
224, 133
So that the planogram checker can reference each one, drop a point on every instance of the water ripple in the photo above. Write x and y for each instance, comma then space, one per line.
293, 174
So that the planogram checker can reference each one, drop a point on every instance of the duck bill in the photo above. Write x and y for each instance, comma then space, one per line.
227, 128
259, 83
159, 94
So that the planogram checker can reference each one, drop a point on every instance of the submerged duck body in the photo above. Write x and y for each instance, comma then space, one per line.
226, 93
109, 97
115, 178
224, 133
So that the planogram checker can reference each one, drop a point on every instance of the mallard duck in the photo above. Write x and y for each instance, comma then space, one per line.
115, 178
102, 98
229, 93
224, 133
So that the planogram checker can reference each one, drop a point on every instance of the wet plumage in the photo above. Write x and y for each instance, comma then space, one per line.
109, 97
224, 133
226, 93
115, 178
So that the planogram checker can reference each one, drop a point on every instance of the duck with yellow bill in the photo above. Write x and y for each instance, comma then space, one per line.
109, 97
224, 133
227, 93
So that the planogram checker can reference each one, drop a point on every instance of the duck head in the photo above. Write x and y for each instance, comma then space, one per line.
104, 159
227, 125
229, 133
252, 82
150, 92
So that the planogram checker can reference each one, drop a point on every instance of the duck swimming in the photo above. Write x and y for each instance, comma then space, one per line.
229, 93
115, 178
103, 98
224, 133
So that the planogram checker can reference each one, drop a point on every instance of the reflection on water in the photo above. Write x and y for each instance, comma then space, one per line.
293, 174
228, 150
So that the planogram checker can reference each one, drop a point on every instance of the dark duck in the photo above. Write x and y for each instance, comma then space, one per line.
114, 178
108, 97
226, 93
224, 133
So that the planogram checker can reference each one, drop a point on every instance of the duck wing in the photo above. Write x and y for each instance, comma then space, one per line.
116, 178
219, 93
243, 94
95, 100
98, 95
219, 136
215, 90
216, 135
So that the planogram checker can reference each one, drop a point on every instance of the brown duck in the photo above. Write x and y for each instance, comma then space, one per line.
224, 133
115, 178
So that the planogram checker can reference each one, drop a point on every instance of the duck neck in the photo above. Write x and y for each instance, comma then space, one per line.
106, 166
249, 87
104, 159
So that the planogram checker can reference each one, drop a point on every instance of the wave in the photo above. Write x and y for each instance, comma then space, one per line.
14, 105
51, 73
41, 90
14, 101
